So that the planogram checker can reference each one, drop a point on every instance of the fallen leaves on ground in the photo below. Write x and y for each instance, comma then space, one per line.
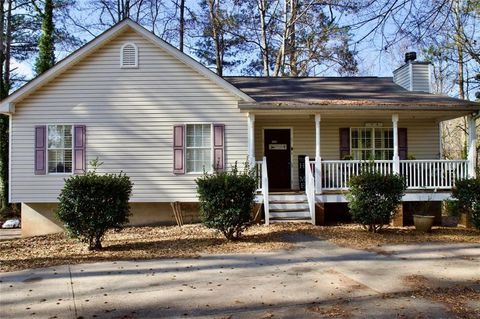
354, 236
136, 243
456, 298
192, 240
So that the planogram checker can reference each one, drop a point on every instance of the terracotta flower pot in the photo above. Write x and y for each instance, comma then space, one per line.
423, 223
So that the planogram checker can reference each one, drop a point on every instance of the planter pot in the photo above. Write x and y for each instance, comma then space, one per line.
423, 223
450, 221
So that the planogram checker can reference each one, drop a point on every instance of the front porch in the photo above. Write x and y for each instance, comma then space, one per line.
319, 163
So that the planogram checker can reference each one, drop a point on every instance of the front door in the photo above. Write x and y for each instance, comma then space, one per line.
277, 150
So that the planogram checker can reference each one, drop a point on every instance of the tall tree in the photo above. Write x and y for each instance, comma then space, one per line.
218, 45
46, 45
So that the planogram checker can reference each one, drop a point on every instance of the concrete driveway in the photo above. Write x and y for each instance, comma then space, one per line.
317, 280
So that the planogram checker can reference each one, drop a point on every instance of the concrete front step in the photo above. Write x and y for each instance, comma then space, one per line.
291, 220
290, 214
287, 197
288, 206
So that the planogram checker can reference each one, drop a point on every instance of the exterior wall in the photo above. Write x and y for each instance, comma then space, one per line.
423, 137
129, 116
39, 218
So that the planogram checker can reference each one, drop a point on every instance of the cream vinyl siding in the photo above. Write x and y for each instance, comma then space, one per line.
423, 137
129, 116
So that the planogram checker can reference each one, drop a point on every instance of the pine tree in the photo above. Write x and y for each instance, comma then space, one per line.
46, 45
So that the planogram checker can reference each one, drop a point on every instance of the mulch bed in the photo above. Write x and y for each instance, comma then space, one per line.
136, 243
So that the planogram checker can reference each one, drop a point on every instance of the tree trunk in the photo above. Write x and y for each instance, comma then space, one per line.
264, 45
292, 45
182, 25
3, 94
8, 46
46, 45
280, 61
214, 8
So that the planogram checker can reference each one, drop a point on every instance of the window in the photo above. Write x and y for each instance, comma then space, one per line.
129, 56
59, 149
198, 148
371, 143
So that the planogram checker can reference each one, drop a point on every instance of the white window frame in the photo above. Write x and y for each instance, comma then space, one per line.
373, 148
122, 65
48, 148
208, 169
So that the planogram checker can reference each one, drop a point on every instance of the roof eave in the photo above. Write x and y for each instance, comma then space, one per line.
105, 37
386, 107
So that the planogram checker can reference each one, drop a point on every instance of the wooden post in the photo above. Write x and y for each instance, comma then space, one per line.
397, 220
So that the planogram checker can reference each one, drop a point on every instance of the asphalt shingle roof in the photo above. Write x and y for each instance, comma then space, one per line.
351, 91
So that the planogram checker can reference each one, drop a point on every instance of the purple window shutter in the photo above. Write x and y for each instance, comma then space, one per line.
402, 143
179, 149
79, 145
344, 134
40, 149
219, 146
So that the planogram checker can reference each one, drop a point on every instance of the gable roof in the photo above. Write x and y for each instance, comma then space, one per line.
6, 105
338, 92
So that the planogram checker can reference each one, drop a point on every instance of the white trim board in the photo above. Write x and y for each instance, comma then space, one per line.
7, 106
408, 197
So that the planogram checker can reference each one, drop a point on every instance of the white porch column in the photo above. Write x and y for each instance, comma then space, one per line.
251, 138
472, 146
318, 159
396, 158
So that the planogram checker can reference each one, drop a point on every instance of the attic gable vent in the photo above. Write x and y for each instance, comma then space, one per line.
129, 56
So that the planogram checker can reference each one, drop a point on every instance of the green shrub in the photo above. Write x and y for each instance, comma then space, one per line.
467, 192
90, 204
226, 200
373, 198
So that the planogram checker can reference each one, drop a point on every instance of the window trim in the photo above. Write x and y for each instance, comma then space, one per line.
210, 169
372, 149
72, 149
122, 65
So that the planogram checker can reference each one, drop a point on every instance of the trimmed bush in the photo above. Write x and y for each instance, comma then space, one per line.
467, 192
226, 200
91, 204
373, 198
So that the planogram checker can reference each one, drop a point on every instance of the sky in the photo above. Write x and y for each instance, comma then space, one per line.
372, 60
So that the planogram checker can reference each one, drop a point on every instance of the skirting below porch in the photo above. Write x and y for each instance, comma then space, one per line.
410, 196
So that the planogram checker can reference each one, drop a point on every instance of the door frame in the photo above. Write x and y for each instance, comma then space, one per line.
291, 146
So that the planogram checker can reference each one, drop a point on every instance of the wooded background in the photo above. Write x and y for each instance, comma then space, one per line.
258, 37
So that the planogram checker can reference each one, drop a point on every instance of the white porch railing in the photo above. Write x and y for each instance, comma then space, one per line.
310, 189
433, 174
419, 174
337, 174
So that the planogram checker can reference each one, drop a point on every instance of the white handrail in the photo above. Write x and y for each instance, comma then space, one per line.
258, 175
433, 174
310, 189
265, 191
418, 174
337, 174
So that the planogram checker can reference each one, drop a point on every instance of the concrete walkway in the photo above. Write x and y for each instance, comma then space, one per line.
318, 280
